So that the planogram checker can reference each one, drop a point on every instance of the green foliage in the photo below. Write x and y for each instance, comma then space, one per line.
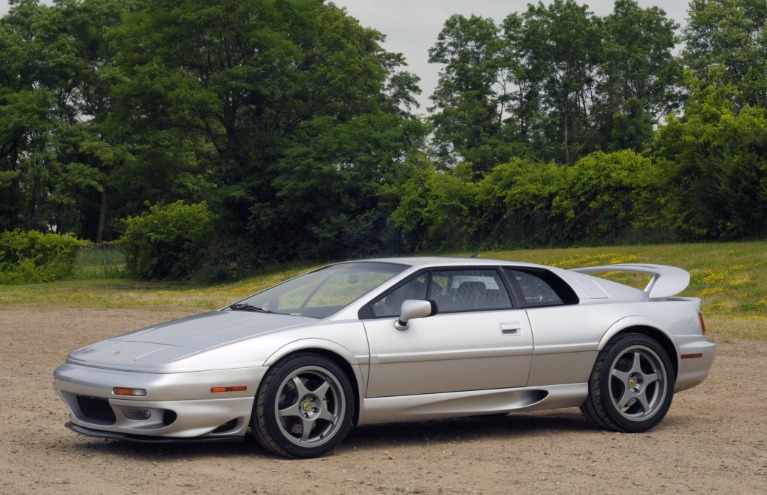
718, 154
554, 82
299, 107
603, 198
641, 78
32, 257
469, 124
519, 197
564, 42
167, 241
609, 198
436, 209
328, 189
289, 119
732, 34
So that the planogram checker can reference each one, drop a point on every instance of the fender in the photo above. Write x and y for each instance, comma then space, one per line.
637, 321
316, 343
358, 365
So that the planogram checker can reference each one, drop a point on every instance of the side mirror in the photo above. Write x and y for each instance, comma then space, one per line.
413, 308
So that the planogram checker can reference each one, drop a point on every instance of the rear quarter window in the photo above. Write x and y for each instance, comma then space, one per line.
539, 287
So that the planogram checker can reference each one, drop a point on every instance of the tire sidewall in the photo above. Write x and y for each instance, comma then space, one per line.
605, 375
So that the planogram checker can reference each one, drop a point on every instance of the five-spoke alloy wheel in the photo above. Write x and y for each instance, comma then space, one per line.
631, 385
303, 407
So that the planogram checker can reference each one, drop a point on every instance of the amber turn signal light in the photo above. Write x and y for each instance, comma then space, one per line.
133, 392
238, 388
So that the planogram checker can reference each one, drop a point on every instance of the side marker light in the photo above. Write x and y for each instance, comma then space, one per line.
238, 388
692, 356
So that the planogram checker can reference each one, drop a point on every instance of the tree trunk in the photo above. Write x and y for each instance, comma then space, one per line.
102, 216
566, 131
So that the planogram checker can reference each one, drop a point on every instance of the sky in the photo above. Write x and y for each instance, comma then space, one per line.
411, 26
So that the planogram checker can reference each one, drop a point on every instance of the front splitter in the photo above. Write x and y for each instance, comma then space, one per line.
110, 435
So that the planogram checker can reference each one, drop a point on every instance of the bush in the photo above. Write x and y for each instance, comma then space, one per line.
436, 209
518, 197
609, 197
167, 242
32, 257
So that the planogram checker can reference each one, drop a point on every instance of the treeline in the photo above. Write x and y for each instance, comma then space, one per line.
220, 135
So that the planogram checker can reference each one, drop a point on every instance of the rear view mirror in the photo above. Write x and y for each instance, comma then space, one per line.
413, 308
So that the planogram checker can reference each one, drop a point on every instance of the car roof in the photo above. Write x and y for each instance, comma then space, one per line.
443, 261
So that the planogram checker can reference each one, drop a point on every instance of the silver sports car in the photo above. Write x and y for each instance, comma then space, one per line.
398, 339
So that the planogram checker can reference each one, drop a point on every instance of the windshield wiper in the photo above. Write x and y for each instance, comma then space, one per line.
247, 307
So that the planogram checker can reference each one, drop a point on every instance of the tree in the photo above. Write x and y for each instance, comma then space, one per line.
554, 82
469, 121
563, 41
273, 87
66, 155
522, 104
730, 33
640, 78
716, 154
25, 119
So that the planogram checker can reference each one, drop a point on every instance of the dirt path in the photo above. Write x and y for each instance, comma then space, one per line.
714, 439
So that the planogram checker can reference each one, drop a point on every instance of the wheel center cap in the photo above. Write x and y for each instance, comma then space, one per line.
632, 383
307, 406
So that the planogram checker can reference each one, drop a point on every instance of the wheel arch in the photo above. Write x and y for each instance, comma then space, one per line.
650, 329
338, 354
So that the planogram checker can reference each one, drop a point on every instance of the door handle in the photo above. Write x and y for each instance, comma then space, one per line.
511, 328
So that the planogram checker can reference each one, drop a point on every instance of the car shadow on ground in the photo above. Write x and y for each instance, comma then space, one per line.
383, 436
463, 429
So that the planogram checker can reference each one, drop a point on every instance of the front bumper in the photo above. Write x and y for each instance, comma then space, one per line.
176, 406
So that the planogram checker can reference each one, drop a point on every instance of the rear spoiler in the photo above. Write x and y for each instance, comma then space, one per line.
667, 281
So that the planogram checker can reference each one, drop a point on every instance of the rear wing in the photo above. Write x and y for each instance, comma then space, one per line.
667, 281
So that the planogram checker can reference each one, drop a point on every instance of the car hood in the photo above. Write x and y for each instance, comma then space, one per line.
178, 339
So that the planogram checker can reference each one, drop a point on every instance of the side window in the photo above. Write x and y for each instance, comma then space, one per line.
390, 304
468, 290
542, 288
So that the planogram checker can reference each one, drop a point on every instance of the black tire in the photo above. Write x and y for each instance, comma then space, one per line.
303, 407
631, 385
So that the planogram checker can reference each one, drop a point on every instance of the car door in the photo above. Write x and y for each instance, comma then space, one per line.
476, 341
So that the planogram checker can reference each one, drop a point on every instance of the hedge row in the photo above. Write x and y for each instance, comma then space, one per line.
31, 257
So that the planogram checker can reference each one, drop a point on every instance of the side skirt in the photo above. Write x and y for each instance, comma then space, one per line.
472, 403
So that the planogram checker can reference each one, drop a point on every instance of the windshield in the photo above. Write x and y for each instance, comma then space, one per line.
321, 293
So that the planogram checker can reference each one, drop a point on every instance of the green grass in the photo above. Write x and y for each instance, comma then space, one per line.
730, 278
104, 292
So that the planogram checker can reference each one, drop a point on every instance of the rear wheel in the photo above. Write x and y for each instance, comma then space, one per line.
303, 407
631, 385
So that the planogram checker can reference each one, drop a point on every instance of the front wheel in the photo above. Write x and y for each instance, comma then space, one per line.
303, 407
631, 385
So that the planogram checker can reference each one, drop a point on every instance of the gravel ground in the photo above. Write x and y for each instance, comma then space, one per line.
714, 439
